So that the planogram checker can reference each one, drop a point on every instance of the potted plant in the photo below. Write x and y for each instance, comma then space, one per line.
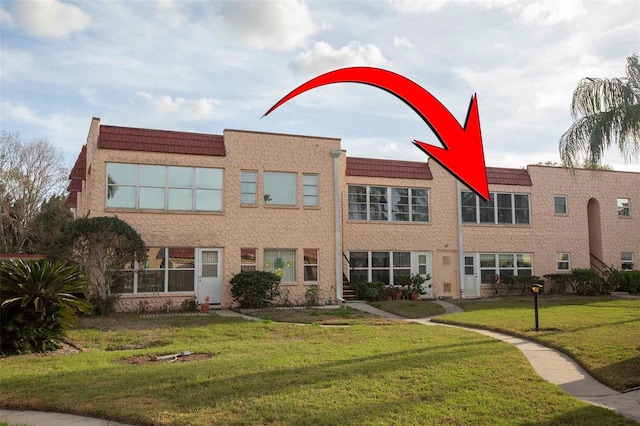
388, 292
415, 285
402, 281
204, 307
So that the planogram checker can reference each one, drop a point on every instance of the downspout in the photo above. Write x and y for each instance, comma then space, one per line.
335, 153
460, 240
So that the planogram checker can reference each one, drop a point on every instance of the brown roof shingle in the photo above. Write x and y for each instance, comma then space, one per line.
75, 186
371, 167
128, 138
79, 170
72, 199
501, 176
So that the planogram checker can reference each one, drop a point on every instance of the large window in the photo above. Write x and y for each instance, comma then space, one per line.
280, 188
281, 263
166, 270
623, 207
140, 186
380, 203
505, 265
626, 260
380, 266
501, 208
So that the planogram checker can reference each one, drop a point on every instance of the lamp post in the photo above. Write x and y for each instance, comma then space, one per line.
535, 289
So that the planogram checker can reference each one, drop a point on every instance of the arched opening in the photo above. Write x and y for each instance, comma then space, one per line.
595, 233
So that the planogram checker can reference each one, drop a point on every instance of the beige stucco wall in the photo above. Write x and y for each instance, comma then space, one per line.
237, 226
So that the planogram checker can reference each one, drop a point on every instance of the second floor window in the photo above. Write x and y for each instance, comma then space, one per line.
280, 188
560, 204
141, 186
623, 207
502, 208
380, 203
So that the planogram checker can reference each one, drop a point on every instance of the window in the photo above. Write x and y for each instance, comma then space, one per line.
501, 208
281, 263
248, 187
563, 262
280, 188
560, 204
623, 207
310, 265
248, 259
626, 260
310, 190
380, 203
140, 186
382, 266
166, 270
505, 265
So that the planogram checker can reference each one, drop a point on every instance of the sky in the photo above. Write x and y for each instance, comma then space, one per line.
209, 66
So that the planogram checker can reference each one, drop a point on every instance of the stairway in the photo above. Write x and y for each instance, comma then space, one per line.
348, 292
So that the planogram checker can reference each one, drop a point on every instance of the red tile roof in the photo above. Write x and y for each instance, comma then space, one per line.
75, 186
79, 170
132, 139
72, 199
500, 176
370, 167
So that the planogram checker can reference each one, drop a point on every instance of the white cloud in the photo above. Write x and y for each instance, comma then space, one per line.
186, 109
50, 18
401, 41
5, 17
551, 12
279, 25
171, 12
418, 6
324, 58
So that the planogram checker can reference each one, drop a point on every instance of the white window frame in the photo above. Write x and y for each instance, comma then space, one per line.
565, 205
494, 207
249, 266
271, 267
413, 268
626, 264
387, 206
165, 268
496, 269
249, 185
311, 265
624, 210
310, 190
264, 189
562, 258
166, 188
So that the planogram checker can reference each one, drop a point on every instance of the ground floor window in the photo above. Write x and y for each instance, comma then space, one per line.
626, 260
248, 259
166, 270
281, 262
563, 262
311, 265
505, 265
385, 266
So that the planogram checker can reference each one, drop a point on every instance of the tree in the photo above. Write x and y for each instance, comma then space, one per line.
49, 223
607, 111
29, 173
102, 247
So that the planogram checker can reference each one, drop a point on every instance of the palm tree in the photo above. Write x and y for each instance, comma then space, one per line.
607, 111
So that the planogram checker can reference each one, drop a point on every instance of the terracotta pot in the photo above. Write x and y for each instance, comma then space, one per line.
204, 307
388, 297
415, 296
397, 295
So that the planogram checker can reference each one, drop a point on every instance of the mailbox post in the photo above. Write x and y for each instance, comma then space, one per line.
535, 289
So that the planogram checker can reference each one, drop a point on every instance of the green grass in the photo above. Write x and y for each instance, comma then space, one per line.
346, 316
410, 308
285, 374
600, 333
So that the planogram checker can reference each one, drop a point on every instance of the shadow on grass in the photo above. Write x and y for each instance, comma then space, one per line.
586, 416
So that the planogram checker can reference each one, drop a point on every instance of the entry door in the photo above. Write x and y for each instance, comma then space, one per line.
209, 271
471, 282
421, 264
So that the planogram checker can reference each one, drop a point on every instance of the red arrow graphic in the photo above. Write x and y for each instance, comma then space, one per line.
462, 155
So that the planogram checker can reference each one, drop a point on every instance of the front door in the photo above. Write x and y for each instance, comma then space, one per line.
421, 264
209, 271
471, 284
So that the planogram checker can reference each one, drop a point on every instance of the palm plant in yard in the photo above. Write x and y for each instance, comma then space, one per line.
607, 111
38, 300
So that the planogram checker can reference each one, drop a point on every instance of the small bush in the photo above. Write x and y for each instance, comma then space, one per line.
560, 283
370, 291
189, 305
625, 280
312, 295
255, 289
512, 286
589, 283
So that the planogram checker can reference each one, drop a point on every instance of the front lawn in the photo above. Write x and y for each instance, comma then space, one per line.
601, 333
342, 316
285, 374
410, 308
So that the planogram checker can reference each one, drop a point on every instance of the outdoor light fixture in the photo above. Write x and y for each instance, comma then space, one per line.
535, 289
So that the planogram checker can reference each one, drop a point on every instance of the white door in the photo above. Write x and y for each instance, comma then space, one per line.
209, 271
421, 264
471, 277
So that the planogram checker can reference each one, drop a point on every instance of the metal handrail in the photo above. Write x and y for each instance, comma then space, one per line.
353, 270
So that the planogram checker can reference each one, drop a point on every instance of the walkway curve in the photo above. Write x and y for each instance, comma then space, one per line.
550, 364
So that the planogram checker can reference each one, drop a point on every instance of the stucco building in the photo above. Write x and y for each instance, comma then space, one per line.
209, 206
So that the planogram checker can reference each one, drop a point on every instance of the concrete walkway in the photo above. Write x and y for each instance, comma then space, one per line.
553, 366
37, 418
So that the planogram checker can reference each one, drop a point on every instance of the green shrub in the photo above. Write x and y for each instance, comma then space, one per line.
624, 280
589, 283
512, 286
560, 283
312, 295
37, 303
255, 289
370, 291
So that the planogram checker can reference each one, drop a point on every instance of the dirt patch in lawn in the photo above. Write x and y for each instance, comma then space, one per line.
154, 359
